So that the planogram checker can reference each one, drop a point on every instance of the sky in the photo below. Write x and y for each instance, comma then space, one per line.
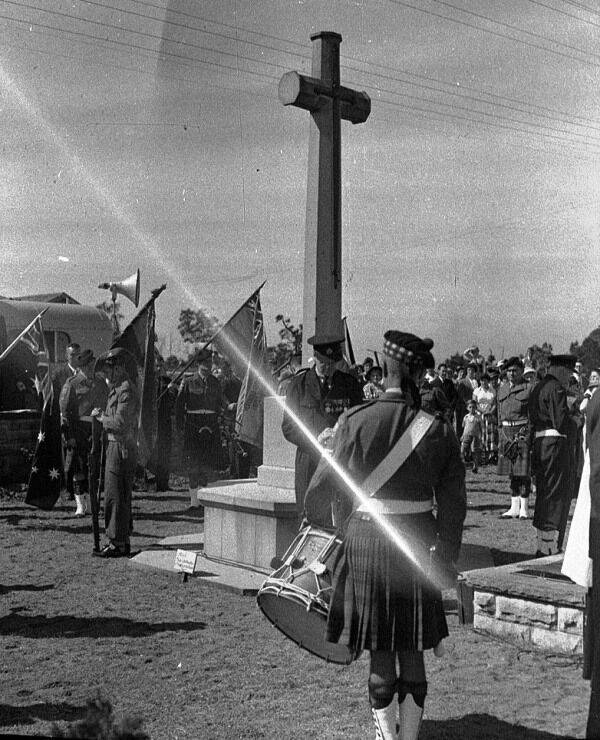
148, 134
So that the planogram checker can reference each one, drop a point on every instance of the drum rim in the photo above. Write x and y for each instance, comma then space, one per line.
304, 646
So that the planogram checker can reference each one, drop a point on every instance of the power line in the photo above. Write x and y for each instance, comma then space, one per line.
351, 59
563, 12
262, 46
540, 36
195, 60
474, 99
159, 54
494, 33
581, 6
138, 33
186, 27
489, 123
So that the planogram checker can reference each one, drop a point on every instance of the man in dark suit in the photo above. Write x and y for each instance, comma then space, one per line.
593, 672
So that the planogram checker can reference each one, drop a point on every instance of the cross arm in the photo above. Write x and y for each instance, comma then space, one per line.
310, 94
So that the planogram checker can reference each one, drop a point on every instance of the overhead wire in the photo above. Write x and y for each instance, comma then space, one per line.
564, 12
511, 27
581, 6
237, 56
343, 58
545, 131
499, 34
139, 33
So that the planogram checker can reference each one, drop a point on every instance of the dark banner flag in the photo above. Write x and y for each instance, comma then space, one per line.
350, 358
45, 479
139, 339
242, 342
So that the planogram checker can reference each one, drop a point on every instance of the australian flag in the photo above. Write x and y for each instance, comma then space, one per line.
45, 479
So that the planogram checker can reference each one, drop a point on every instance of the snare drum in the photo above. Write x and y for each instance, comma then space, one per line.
295, 597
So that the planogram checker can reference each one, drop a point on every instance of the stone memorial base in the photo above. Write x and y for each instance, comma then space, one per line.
246, 523
528, 603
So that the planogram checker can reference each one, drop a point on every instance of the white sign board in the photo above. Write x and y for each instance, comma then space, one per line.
185, 561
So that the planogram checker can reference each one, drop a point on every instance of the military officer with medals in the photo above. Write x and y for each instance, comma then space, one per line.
385, 596
317, 396
80, 394
513, 443
197, 407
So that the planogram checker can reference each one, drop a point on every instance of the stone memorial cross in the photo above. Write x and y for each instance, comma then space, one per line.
328, 102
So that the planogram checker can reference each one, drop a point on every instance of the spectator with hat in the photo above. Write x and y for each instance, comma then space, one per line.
551, 427
316, 397
374, 385
386, 595
199, 401
120, 425
513, 444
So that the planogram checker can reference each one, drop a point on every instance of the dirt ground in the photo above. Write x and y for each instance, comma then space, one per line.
195, 661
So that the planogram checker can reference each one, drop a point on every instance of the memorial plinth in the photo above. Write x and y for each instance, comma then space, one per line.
251, 521
530, 603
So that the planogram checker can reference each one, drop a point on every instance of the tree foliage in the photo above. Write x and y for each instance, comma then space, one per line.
588, 351
290, 342
113, 310
197, 326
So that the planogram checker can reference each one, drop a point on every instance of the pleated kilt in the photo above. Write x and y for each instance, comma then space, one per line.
380, 599
521, 467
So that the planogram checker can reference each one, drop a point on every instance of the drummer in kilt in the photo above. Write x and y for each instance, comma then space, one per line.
384, 600
513, 443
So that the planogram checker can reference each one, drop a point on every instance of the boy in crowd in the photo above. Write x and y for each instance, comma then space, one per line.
471, 436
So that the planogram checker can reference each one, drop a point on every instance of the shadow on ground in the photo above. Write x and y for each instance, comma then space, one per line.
41, 627
31, 713
480, 726
24, 587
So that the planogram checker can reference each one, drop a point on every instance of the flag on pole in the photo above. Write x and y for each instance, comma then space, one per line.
45, 479
139, 339
242, 341
350, 358
32, 337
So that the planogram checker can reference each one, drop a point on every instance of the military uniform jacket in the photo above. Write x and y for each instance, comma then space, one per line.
79, 395
196, 394
548, 408
513, 401
434, 469
121, 416
318, 407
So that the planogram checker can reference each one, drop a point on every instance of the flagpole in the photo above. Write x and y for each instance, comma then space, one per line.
22, 334
190, 362
155, 293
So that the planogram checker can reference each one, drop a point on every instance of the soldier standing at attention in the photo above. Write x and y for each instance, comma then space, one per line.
199, 401
317, 396
386, 597
551, 424
513, 445
79, 395
120, 421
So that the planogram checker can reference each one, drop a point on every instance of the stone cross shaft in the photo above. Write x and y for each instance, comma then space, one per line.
328, 103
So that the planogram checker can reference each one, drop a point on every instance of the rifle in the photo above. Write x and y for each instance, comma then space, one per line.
96, 478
